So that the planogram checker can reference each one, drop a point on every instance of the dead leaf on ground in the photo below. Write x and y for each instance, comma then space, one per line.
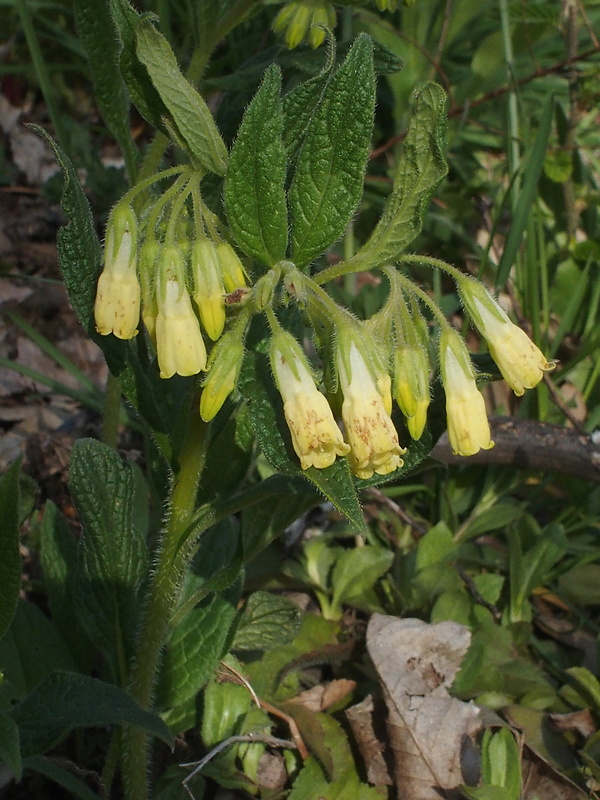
541, 782
428, 729
361, 720
324, 695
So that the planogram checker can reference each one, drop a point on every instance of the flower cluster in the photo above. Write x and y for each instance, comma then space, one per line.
305, 20
172, 266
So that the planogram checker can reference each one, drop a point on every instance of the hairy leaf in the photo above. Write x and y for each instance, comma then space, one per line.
254, 186
268, 621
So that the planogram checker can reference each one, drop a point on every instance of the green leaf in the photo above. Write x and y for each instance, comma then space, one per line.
421, 167
588, 682
96, 31
329, 174
357, 570
195, 647
435, 546
581, 585
144, 95
189, 112
225, 704
10, 753
66, 700
10, 562
501, 762
112, 552
61, 776
31, 649
268, 621
254, 186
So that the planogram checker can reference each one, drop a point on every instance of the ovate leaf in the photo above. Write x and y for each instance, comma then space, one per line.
254, 186
420, 168
10, 753
189, 112
10, 560
112, 557
268, 621
329, 174
66, 700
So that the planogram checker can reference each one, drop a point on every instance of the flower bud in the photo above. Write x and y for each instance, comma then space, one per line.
232, 270
468, 426
209, 292
411, 368
224, 367
117, 304
147, 263
294, 18
520, 362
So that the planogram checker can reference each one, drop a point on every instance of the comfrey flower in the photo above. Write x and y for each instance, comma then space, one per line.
179, 344
117, 305
224, 368
374, 445
209, 292
519, 360
468, 426
304, 18
411, 367
232, 270
316, 438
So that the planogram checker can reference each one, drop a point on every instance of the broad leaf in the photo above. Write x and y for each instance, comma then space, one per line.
268, 621
421, 167
254, 186
357, 570
10, 753
329, 174
112, 553
189, 112
96, 30
61, 776
66, 700
10, 562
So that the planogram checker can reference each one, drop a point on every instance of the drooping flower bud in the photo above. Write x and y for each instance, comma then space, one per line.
209, 292
224, 367
232, 270
148, 263
411, 368
117, 305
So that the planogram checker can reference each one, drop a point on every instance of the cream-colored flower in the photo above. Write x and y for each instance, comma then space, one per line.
316, 438
117, 304
411, 387
468, 426
232, 269
374, 445
209, 292
179, 342
520, 361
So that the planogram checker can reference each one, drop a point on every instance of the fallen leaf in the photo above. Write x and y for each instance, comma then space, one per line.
428, 728
362, 723
541, 782
582, 722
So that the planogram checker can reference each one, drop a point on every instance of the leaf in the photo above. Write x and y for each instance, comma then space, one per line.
188, 109
358, 570
10, 563
97, 32
225, 704
144, 95
112, 552
195, 647
329, 173
254, 185
416, 664
581, 585
268, 621
10, 753
362, 720
62, 776
66, 700
421, 167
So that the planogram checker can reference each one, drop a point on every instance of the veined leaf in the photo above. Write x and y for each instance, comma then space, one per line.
329, 175
66, 700
268, 621
112, 557
421, 167
188, 109
254, 186
10, 562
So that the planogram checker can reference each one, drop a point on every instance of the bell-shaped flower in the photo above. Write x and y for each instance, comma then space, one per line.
520, 361
117, 304
468, 426
374, 445
179, 344
232, 269
209, 292
316, 438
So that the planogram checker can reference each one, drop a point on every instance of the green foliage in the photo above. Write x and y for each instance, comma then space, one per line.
10, 570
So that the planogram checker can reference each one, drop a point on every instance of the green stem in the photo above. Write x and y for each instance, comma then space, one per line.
174, 552
42, 73
111, 412
513, 111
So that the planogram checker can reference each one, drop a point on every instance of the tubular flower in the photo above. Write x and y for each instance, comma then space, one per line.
374, 445
232, 270
411, 387
209, 292
316, 438
179, 342
223, 371
117, 305
304, 18
519, 360
468, 426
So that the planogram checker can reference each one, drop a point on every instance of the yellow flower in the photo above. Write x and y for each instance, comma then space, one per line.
223, 371
468, 426
232, 270
374, 445
179, 344
316, 438
117, 304
519, 360
301, 18
411, 384
209, 292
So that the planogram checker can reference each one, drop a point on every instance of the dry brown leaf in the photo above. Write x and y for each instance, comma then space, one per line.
582, 722
427, 727
324, 695
361, 720
541, 782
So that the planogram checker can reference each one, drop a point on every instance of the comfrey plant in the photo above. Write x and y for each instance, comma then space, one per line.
256, 392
